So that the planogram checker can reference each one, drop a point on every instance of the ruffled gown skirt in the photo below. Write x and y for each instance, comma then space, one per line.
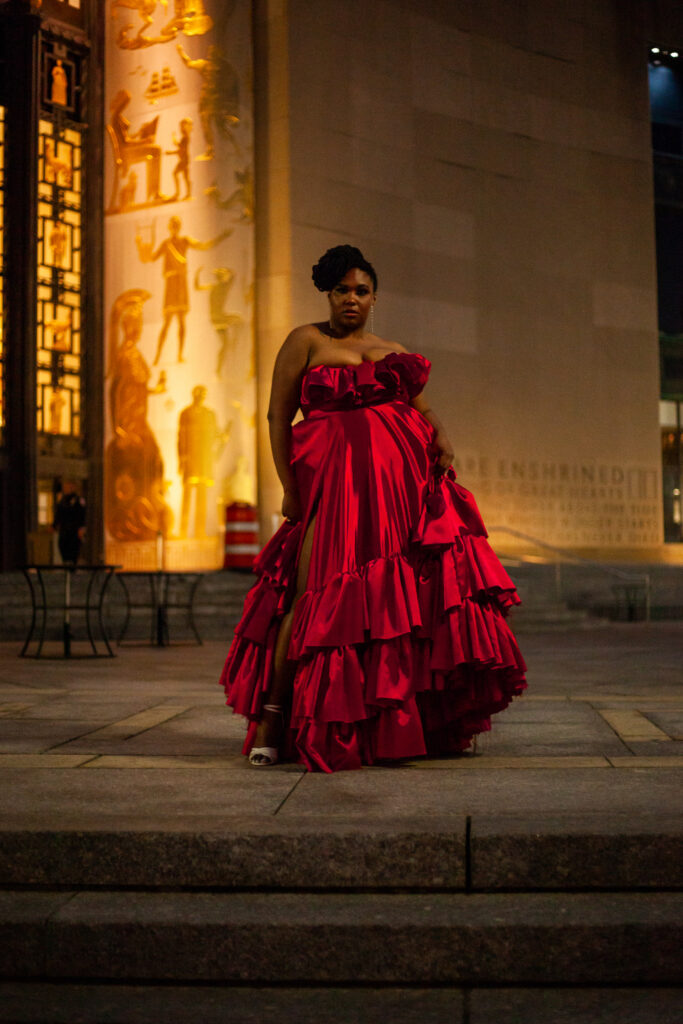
400, 639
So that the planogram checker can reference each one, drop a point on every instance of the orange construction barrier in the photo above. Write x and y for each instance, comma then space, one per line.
241, 535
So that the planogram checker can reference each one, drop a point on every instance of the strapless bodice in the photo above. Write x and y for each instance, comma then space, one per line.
399, 375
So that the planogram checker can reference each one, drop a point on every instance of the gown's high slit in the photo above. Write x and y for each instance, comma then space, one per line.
400, 638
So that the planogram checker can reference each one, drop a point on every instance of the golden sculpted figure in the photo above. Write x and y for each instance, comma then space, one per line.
134, 494
61, 332
219, 99
198, 445
55, 410
226, 325
241, 199
173, 251
56, 169
58, 92
127, 194
189, 17
133, 148
182, 151
57, 242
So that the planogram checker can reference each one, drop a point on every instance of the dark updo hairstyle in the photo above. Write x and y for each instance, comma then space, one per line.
336, 263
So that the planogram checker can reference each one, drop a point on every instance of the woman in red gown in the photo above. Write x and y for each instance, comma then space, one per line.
376, 629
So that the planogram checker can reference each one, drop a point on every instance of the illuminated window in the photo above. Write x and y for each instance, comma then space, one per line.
2, 290
59, 337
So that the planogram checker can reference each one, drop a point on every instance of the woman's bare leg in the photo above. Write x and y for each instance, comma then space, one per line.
270, 726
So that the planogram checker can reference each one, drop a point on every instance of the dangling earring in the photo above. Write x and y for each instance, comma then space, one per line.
372, 318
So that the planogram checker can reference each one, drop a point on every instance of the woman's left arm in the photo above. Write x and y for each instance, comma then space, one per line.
441, 441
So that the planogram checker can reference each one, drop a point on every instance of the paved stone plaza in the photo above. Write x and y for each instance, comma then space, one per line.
607, 699
122, 780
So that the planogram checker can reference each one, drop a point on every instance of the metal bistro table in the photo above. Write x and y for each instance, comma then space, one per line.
163, 592
69, 599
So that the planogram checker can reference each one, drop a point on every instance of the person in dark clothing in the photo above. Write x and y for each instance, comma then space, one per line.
69, 521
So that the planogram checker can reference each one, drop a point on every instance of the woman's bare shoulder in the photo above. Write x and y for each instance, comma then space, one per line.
298, 343
386, 343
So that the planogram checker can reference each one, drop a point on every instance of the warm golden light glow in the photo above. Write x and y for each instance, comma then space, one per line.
179, 231
59, 335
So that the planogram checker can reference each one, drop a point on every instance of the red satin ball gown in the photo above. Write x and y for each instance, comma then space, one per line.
400, 640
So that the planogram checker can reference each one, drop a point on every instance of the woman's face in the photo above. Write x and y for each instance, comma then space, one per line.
351, 300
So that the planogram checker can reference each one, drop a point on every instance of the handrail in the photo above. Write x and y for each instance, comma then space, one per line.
630, 577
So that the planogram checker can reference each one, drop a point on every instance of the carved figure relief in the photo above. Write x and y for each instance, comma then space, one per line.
133, 148
241, 199
182, 151
227, 325
218, 98
176, 301
189, 17
58, 92
199, 444
56, 404
57, 168
134, 502
61, 332
127, 193
57, 240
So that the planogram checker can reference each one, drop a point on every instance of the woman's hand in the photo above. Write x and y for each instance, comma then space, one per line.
445, 452
291, 506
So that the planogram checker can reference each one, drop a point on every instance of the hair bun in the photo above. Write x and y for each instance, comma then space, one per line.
336, 263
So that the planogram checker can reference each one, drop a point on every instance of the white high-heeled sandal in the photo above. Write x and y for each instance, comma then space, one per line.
263, 757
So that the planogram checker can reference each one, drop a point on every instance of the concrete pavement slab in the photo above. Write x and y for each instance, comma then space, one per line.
32, 736
572, 1006
632, 725
542, 711
496, 761
194, 731
576, 852
84, 710
640, 763
32, 1003
40, 797
13, 710
552, 749
159, 762
670, 721
654, 748
386, 793
339, 938
23, 917
592, 736
138, 723
240, 854
43, 760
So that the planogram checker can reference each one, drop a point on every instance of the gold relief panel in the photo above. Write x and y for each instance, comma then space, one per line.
162, 84
180, 230
153, 24
135, 508
59, 284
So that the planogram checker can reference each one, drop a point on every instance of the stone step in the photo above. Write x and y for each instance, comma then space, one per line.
351, 938
36, 1002
484, 854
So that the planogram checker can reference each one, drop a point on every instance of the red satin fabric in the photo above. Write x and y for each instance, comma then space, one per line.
400, 640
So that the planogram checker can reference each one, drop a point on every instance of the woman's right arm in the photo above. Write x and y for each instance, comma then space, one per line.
284, 401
